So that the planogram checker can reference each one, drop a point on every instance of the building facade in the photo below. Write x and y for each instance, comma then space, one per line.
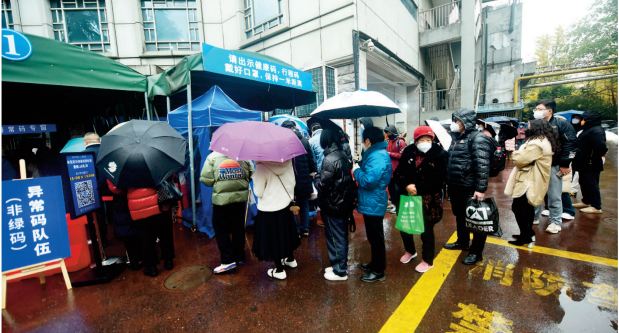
426, 55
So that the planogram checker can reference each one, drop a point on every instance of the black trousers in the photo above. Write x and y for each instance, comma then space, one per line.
524, 213
394, 194
427, 242
151, 228
229, 225
458, 197
376, 237
590, 187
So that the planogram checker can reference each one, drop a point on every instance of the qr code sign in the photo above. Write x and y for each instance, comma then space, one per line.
85, 195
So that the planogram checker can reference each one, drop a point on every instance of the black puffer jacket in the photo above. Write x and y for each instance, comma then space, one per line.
303, 165
469, 155
591, 145
567, 139
336, 188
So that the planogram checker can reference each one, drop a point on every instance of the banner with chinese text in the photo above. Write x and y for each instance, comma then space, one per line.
34, 227
245, 66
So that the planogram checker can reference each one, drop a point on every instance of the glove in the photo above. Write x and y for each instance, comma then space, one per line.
355, 166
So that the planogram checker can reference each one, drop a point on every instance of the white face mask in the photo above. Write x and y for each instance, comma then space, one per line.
454, 127
575, 121
424, 146
539, 114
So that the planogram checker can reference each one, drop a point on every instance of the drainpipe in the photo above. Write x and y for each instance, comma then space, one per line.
485, 52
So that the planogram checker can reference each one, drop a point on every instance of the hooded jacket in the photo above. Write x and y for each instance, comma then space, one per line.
373, 176
336, 188
470, 155
531, 174
303, 165
228, 178
591, 145
273, 194
567, 138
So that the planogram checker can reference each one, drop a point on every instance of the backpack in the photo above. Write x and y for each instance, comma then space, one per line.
497, 164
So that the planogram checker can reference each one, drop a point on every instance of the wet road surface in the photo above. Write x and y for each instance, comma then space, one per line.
566, 283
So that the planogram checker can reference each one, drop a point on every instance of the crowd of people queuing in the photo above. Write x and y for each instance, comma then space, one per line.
549, 153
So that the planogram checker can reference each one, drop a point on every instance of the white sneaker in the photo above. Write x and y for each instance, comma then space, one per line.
291, 264
567, 216
553, 228
536, 222
591, 210
545, 212
329, 275
224, 268
271, 272
329, 269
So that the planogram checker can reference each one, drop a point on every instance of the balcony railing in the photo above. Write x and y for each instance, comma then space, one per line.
440, 16
443, 99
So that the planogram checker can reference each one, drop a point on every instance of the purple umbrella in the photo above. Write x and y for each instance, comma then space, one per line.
257, 141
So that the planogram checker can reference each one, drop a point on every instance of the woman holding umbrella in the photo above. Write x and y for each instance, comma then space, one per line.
272, 147
275, 236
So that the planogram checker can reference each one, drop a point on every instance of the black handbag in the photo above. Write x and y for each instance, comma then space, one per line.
168, 192
482, 216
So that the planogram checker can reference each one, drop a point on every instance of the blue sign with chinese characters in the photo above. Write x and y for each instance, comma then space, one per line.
245, 66
83, 183
28, 129
15, 46
34, 227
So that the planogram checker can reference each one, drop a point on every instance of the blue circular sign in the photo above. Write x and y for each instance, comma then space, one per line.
15, 46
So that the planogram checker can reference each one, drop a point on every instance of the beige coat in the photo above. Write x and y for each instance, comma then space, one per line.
532, 172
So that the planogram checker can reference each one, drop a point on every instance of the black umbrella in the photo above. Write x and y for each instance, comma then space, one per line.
141, 153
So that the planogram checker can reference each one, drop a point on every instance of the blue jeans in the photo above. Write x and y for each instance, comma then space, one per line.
555, 206
303, 225
336, 231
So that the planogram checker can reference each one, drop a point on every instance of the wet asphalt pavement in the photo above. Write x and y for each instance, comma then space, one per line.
567, 283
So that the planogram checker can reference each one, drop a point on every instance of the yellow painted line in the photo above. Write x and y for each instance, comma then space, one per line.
413, 308
558, 253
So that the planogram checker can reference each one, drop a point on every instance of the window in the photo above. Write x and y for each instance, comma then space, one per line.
411, 7
262, 15
320, 75
171, 25
7, 15
82, 23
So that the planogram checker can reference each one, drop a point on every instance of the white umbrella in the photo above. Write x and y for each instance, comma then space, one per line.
441, 133
356, 104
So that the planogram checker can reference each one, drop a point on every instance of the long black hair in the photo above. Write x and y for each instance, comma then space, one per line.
539, 129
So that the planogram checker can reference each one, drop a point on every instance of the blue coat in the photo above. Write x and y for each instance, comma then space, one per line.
373, 177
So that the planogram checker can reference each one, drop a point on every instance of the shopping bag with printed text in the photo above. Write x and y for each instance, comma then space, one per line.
410, 215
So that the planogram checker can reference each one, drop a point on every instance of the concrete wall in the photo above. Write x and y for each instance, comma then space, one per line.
389, 22
504, 60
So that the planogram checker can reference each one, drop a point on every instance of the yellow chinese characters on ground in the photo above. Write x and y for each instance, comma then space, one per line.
472, 319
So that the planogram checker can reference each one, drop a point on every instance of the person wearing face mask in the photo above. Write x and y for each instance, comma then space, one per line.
373, 176
589, 162
395, 146
422, 171
561, 160
468, 170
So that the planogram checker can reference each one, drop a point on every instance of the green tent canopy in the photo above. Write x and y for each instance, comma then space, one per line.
60, 64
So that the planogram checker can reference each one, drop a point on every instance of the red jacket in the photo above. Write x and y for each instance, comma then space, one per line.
395, 148
142, 203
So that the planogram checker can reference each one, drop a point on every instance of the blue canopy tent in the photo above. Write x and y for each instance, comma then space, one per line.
209, 111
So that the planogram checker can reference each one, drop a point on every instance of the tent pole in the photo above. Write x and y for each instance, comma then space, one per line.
191, 164
147, 106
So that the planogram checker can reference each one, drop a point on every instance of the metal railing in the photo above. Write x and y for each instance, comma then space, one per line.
442, 99
440, 16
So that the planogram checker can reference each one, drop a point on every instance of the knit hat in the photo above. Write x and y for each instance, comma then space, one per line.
423, 131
